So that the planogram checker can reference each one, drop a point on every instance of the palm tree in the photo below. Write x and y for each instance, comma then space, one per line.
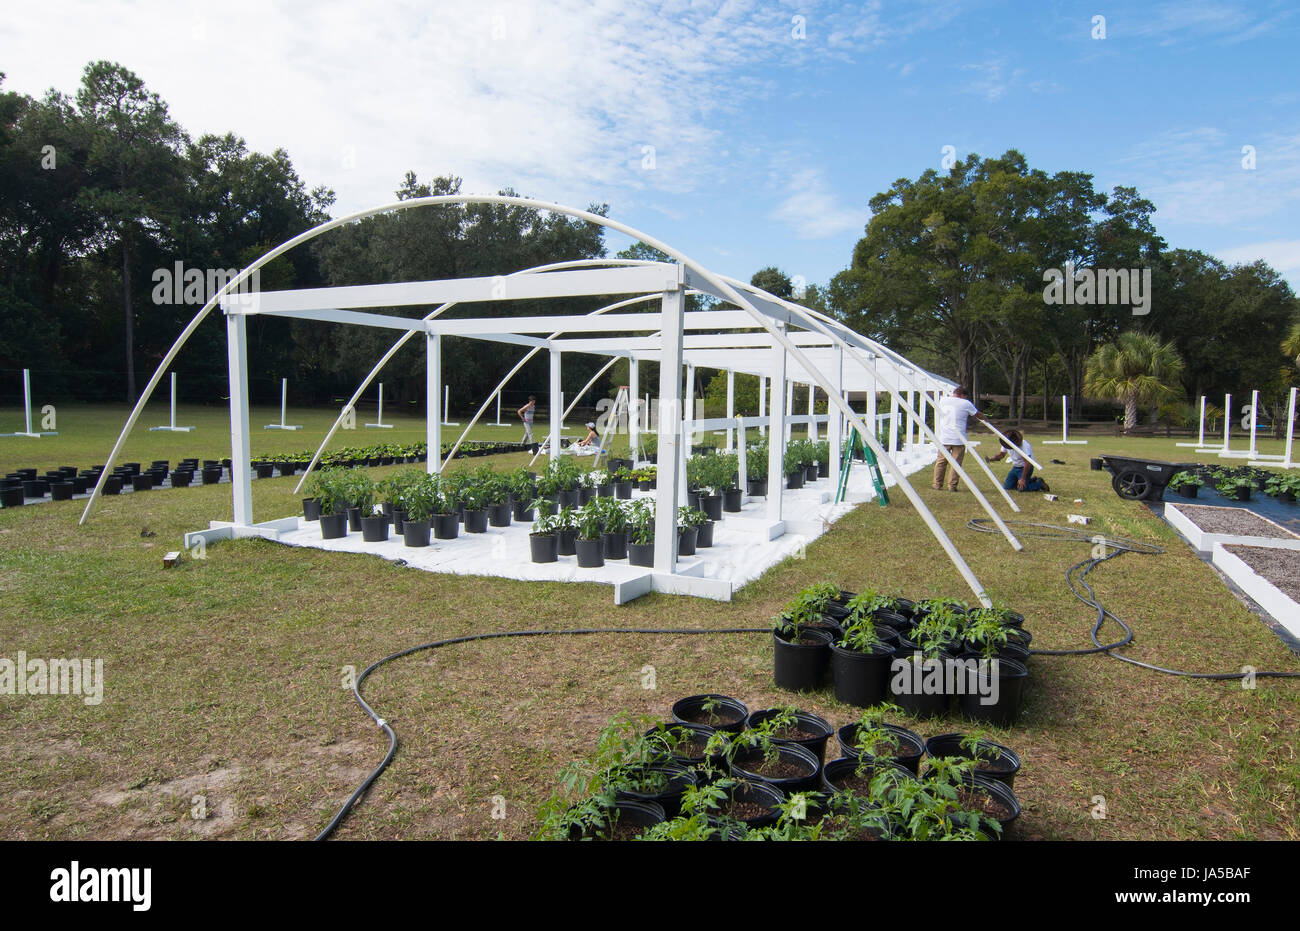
1135, 369
1291, 345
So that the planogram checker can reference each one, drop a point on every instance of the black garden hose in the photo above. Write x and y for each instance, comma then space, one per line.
433, 645
1112, 547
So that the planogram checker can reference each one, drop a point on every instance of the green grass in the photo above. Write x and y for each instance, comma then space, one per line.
224, 675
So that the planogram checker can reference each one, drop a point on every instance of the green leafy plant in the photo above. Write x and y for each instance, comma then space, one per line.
642, 521
1186, 480
591, 521
688, 517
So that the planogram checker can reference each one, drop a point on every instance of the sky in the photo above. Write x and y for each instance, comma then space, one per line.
743, 134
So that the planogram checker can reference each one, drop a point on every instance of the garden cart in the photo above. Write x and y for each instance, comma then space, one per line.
1139, 479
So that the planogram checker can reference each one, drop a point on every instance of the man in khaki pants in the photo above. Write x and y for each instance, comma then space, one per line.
951, 415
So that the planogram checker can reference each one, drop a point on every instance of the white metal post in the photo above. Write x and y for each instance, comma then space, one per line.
762, 403
27, 399
380, 418
1065, 427
835, 420
742, 465
557, 405
688, 405
668, 475
788, 408
432, 415
173, 418
240, 453
1254, 420
777, 436
893, 425
634, 415
731, 408
1283, 461
812, 412
1200, 438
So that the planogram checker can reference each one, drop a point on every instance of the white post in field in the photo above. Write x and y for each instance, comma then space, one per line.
1065, 427
170, 428
380, 418
284, 409
1200, 439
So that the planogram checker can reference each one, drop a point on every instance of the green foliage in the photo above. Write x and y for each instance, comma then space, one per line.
1186, 479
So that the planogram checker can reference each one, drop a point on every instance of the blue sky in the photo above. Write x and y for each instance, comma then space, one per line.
772, 124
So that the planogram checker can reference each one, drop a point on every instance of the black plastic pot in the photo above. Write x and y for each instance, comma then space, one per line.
398, 517
794, 479
311, 508
544, 547
446, 526
374, 528
61, 491
522, 513
623, 490
763, 794
113, 485
635, 812
615, 545
566, 542
12, 496
810, 473
211, 475
837, 774
749, 764
567, 499
333, 526
499, 514
546, 509
704, 535
906, 684
1003, 767
1188, 491
1002, 711
805, 721
691, 753
182, 477
476, 521
1241, 493
756, 488
686, 540
801, 666
729, 715
679, 777
712, 506
641, 554
591, 553
416, 532
823, 469
911, 745
264, 469
731, 500
35, 487
861, 679
142, 482
585, 494
1003, 793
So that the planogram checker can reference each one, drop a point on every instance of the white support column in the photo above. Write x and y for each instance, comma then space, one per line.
742, 465
762, 403
893, 426
731, 409
688, 406
1283, 461
27, 400
913, 432
788, 408
835, 421
1254, 420
777, 436
1200, 436
557, 405
634, 413
812, 411
669, 477
240, 452
432, 394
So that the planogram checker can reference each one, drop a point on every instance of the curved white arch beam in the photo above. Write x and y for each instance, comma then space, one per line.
726, 290
401, 341
865, 363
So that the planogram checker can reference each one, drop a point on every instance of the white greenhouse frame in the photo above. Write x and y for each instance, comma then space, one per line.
760, 334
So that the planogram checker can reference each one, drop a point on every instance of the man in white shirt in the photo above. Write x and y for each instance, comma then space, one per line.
1022, 475
951, 416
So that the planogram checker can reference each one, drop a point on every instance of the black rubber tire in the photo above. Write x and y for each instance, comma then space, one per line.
1132, 485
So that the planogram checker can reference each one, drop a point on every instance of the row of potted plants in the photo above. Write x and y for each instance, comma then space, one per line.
607, 528
763, 775
926, 655
1238, 483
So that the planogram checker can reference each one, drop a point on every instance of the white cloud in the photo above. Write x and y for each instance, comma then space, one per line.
1189, 20
811, 211
1281, 254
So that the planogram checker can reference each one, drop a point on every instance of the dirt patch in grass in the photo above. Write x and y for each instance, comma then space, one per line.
1237, 521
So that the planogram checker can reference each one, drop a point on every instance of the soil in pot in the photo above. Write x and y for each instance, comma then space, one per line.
446, 526
992, 799
416, 532
591, 553
993, 760
719, 712
543, 547
902, 746
809, 731
802, 664
374, 528
754, 803
333, 526
792, 769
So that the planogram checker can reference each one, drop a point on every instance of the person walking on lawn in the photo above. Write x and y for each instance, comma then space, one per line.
952, 414
1021, 475
526, 415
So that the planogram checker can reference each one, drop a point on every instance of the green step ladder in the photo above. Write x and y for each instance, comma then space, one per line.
856, 445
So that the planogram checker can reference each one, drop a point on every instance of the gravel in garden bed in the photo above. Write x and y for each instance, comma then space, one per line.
1279, 566
1236, 521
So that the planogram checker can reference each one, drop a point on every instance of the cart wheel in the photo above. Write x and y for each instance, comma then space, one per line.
1131, 484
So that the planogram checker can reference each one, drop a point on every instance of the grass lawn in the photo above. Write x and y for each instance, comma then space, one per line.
223, 677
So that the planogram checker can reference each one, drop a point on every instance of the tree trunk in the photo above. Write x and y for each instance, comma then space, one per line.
1130, 412
130, 321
